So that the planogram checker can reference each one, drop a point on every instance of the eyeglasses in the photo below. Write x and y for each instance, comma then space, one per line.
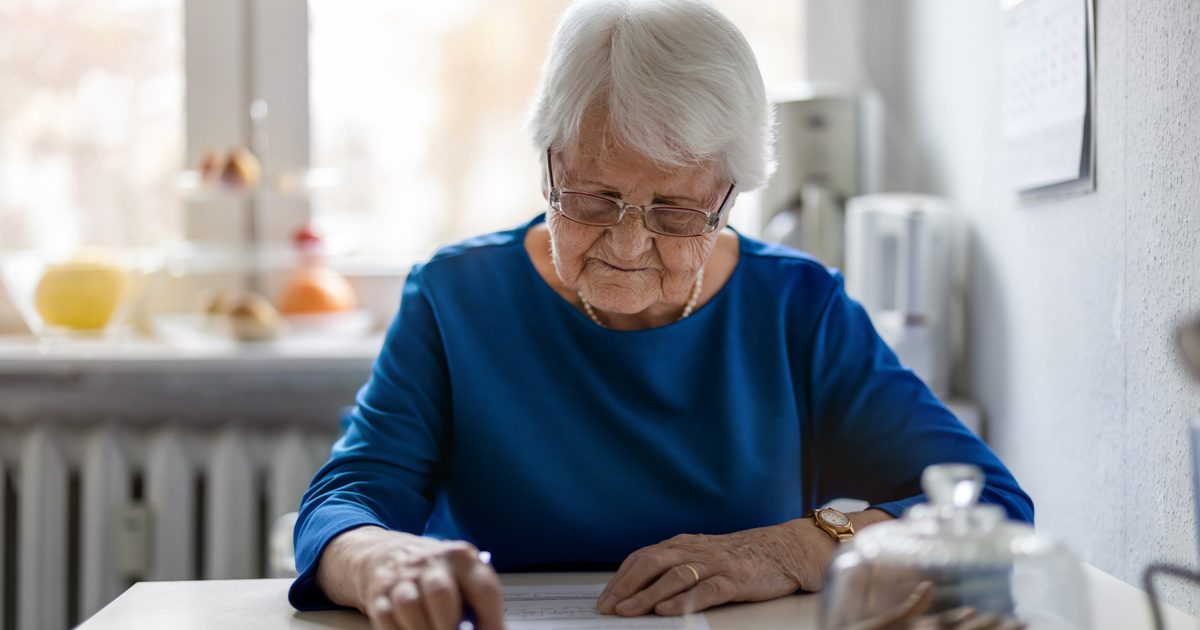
601, 211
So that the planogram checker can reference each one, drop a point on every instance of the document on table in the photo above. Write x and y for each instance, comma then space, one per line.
574, 608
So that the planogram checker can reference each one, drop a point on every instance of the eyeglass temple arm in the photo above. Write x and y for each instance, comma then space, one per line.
728, 194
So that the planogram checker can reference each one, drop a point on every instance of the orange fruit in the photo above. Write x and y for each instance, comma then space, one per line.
317, 290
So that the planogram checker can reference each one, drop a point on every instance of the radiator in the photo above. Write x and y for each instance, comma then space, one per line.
86, 510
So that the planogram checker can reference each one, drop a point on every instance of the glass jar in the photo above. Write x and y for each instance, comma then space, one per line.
953, 563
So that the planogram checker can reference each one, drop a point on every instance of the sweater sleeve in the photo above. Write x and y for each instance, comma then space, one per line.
878, 425
382, 471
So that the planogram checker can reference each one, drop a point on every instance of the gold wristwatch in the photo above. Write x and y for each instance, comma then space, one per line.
836, 524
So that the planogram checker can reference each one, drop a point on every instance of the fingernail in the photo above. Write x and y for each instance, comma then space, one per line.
626, 606
606, 603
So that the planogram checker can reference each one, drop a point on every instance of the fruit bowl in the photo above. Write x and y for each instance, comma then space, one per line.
222, 296
87, 294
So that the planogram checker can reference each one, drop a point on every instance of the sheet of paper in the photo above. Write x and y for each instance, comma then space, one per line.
1045, 91
574, 608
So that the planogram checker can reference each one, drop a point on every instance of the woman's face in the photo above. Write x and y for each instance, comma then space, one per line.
626, 268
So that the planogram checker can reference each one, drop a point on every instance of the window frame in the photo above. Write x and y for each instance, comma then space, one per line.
234, 52
237, 50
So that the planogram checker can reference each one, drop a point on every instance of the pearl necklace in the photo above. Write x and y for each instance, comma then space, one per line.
687, 308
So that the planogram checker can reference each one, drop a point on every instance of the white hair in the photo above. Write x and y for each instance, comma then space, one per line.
678, 79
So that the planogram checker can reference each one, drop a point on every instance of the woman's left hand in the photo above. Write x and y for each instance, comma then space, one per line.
747, 566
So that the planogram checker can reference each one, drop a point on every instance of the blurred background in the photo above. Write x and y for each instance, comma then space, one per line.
208, 207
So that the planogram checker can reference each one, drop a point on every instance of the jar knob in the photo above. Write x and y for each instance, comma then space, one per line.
953, 486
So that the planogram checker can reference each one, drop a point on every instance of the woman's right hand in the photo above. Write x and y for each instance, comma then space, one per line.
407, 582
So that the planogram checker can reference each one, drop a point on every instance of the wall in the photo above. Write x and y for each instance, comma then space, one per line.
1072, 301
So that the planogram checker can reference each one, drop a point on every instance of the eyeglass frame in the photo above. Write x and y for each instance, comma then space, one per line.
712, 219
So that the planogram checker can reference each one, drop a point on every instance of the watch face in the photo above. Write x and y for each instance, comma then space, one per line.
833, 518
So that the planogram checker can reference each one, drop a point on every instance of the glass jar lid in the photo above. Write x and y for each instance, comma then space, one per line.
953, 561
953, 529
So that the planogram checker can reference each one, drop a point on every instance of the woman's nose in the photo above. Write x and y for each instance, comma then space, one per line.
630, 237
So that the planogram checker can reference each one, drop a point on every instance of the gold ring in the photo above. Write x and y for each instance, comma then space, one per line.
695, 573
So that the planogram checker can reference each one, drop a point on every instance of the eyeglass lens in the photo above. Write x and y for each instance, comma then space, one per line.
599, 211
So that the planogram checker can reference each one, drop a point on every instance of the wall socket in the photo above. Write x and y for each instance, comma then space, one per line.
132, 533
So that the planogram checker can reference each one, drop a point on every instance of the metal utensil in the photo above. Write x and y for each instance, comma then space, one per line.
1187, 339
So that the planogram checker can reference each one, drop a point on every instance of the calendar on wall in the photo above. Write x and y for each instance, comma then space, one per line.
1048, 100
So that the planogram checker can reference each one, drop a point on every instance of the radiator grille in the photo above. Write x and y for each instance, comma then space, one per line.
85, 511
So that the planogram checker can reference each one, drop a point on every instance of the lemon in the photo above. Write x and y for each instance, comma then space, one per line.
82, 293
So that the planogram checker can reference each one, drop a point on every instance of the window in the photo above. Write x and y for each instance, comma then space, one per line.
91, 122
774, 30
421, 106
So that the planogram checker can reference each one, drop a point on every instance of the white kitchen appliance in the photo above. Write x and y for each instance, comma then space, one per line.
823, 158
898, 250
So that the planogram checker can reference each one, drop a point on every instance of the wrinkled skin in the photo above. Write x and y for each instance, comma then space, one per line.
633, 277
406, 582
746, 566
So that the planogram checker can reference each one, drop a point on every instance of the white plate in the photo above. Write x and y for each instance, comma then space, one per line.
206, 332
354, 324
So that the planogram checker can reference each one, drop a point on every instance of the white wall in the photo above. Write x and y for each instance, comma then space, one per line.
1072, 301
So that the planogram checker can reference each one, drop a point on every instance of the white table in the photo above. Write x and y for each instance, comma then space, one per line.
262, 605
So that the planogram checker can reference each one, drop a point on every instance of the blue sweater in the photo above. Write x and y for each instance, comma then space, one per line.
500, 414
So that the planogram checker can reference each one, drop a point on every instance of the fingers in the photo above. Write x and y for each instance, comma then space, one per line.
967, 618
408, 613
379, 611
640, 569
916, 603
955, 616
440, 599
434, 591
901, 616
608, 599
677, 579
983, 621
434, 601
713, 591
481, 591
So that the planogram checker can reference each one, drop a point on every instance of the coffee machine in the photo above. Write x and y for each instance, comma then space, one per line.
825, 155
895, 250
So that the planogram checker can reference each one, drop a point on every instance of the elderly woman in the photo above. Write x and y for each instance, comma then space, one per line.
624, 383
